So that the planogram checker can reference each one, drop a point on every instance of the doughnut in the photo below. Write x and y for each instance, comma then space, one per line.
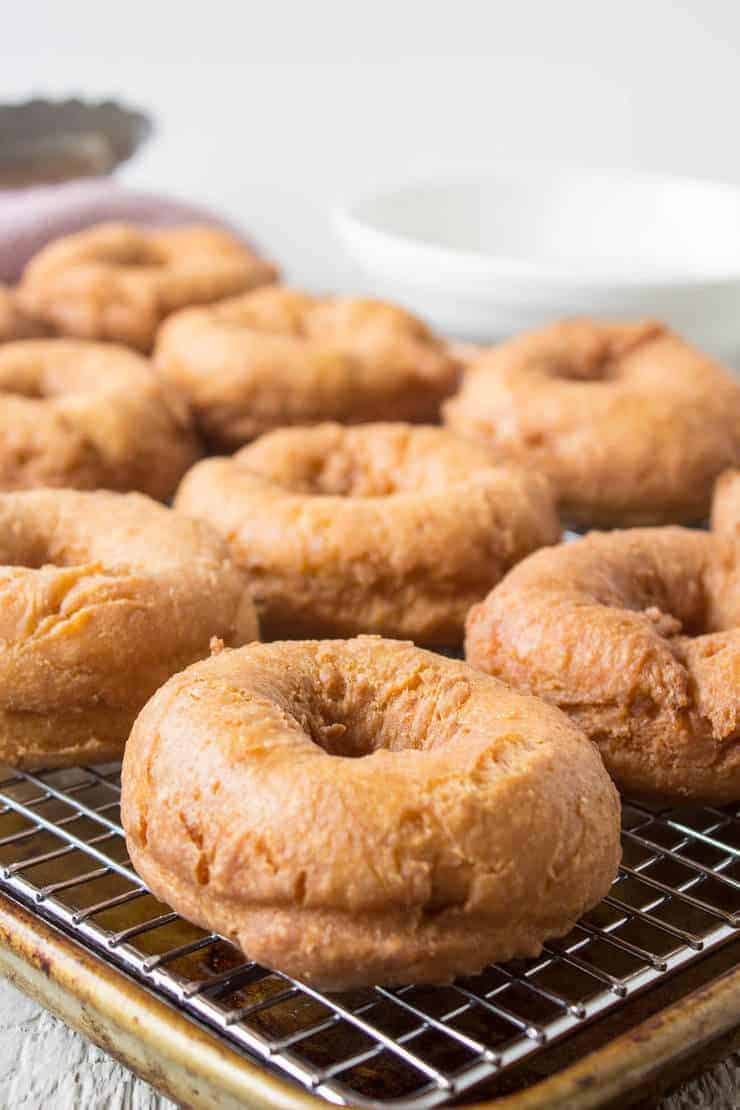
361, 811
14, 324
104, 596
32, 218
276, 357
630, 423
87, 416
394, 529
726, 505
118, 281
636, 636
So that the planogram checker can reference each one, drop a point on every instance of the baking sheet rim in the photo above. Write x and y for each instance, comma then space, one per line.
190, 1064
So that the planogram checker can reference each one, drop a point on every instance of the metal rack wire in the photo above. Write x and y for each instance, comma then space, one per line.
676, 898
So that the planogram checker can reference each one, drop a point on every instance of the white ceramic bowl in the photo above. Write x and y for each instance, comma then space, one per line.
498, 253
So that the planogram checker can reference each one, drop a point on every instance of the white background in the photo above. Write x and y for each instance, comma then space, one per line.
272, 110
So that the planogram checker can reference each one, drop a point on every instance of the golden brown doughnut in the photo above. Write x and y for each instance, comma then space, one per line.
118, 281
89, 416
636, 635
363, 811
102, 597
726, 505
14, 324
388, 528
277, 357
631, 424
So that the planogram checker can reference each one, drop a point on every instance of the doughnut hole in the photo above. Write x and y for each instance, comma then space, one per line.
350, 715
590, 356
592, 372
25, 387
29, 545
15, 324
22, 373
284, 312
344, 322
130, 254
692, 597
40, 370
381, 460
33, 551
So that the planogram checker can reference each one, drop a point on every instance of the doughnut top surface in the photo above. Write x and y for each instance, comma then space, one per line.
102, 597
395, 529
118, 281
631, 424
89, 416
636, 635
14, 323
277, 357
371, 460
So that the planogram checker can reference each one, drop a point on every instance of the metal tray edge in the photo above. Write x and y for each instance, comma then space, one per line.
189, 1065
153, 1040
654, 1056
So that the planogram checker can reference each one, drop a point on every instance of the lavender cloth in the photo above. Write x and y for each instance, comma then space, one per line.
33, 216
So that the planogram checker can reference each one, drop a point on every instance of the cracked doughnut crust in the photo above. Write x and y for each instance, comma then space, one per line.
102, 597
89, 416
277, 357
631, 424
364, 811
726, 505
395, 529
636, 636
118, 281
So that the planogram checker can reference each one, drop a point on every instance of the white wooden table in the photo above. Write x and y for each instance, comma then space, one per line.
44, 1065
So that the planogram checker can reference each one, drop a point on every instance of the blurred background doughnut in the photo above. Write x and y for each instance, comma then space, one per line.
726, 504
388, 528
89, 416
118, 281
277, 357
631, 424
14, 323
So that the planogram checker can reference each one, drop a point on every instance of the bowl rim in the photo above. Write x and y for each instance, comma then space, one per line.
353, 225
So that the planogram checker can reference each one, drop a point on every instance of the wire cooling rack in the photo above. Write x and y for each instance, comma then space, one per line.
677, 897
